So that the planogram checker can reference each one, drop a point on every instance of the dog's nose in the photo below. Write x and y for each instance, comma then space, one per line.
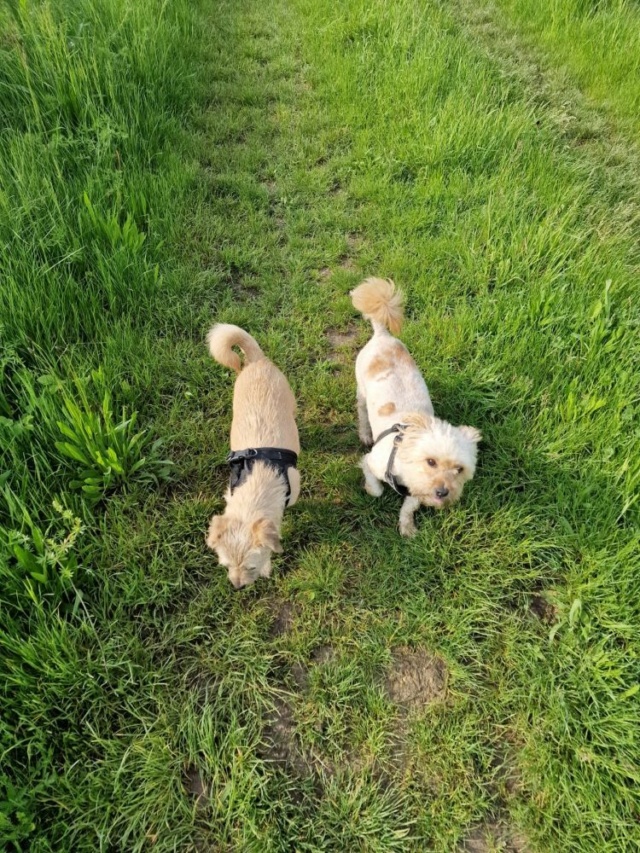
442, 492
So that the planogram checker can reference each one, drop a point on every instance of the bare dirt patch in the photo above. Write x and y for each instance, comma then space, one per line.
492, 837
342, 339
342, 343
354, 245
194, 785
279, 742
322, 654
283, 616
319, 656
416, 678
543, 609
300, 675
242, 283
324, 273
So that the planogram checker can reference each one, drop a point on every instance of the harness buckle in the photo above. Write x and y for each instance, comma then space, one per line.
240, 455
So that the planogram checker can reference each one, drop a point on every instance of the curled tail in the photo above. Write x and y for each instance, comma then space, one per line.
379, 301
223, 337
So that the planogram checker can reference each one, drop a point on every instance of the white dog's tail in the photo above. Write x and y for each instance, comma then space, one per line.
223, 337
379, 301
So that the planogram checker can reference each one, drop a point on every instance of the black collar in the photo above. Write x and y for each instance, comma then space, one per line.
241, 463
389, 476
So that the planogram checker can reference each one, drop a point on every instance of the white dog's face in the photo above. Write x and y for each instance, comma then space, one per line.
436, 459
244, 548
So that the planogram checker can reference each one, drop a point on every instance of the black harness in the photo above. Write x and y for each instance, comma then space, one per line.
389, 476
241, 463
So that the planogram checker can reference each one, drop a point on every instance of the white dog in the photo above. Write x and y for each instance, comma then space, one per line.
423, 458
263, 459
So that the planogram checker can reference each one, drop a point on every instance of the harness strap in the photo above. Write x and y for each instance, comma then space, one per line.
241, 463
389, 476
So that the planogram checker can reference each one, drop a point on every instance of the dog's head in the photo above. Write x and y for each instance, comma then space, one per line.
437, 459
244, 548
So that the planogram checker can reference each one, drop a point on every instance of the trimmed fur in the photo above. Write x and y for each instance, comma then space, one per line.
245, 537
434, 459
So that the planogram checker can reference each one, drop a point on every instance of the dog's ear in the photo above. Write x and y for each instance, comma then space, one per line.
217, 527
471, 433
265, 535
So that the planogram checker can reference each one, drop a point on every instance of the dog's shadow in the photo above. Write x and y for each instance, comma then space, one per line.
515, 468
519, 463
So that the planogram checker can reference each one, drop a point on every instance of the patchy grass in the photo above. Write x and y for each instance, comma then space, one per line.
473, 689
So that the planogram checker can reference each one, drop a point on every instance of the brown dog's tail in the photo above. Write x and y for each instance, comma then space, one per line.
379, 301
223, 337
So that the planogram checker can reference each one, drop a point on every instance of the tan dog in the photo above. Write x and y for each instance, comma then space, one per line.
425, 459
245, 537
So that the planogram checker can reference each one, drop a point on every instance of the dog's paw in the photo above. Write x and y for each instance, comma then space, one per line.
408, 529
373, 487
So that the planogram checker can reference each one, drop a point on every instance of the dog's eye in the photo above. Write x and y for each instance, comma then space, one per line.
459, 469
431, 463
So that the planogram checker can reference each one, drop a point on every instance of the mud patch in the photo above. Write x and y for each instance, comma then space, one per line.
416, 678
493, 836
324, 273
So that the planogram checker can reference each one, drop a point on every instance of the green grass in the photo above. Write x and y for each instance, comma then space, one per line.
595, 43
167, 164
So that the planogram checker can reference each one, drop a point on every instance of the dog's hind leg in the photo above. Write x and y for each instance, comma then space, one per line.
364, 427
407, 511
372, 484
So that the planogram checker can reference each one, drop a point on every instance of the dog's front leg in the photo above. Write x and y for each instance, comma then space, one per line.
407, 524
372, 484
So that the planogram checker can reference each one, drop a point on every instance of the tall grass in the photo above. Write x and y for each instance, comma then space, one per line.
93, 99
596, 43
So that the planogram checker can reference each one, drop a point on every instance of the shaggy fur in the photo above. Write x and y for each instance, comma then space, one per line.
245, 537
434, 459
